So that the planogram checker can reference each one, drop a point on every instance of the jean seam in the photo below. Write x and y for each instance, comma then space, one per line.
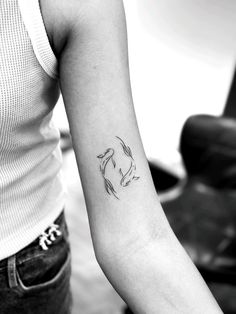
11, 270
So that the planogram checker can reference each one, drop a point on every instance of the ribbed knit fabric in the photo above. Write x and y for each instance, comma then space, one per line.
31, 191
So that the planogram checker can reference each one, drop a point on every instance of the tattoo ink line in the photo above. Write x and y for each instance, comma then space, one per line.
130, 174
104, 159
127, 178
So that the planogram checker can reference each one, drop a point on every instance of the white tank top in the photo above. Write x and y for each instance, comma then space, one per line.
31, 191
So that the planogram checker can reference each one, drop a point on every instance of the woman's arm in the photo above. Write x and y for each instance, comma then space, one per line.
132, 239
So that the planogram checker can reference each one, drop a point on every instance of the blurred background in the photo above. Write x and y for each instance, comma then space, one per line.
182, 63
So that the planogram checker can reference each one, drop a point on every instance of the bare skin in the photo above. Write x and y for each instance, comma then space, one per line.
132, 239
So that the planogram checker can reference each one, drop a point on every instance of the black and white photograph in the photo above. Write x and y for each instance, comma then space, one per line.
117, 157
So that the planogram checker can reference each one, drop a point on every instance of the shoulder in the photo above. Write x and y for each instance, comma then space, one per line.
63, 17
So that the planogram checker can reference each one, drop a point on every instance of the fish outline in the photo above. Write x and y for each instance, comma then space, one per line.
130, 174
104, 159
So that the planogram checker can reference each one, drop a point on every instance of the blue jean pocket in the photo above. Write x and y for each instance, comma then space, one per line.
38, 269
62, 275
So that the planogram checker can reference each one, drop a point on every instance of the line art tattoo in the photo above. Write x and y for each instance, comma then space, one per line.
104, 159
127, 177
130, 174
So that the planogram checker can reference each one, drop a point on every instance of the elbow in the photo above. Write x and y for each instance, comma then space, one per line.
107, 253
116, 250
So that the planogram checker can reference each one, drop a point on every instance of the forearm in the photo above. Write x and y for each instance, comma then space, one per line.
132, 239
157, 277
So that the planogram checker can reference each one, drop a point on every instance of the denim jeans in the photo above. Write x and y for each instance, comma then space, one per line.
37, 280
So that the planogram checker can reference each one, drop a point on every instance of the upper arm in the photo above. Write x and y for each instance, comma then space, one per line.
95, 84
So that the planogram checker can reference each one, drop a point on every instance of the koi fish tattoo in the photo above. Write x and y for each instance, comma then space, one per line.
104, 159
126, 177
130, 174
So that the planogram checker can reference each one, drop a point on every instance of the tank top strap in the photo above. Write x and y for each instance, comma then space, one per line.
33, 21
